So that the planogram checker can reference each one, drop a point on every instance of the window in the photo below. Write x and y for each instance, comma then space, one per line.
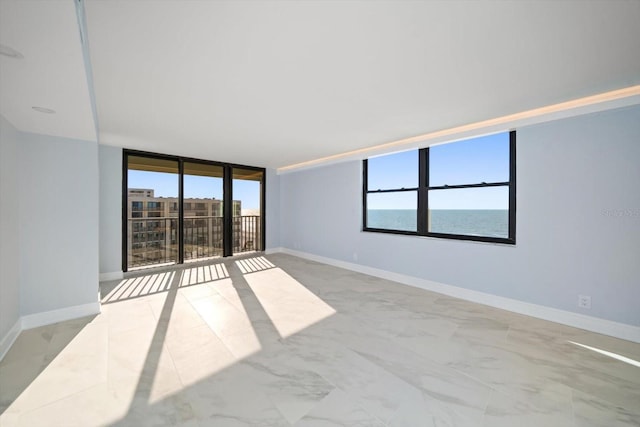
247, 233
392, 192
461, 190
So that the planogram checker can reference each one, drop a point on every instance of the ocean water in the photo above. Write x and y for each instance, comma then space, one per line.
488, 223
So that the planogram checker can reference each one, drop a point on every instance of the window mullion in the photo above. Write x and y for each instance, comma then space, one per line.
365, 178
125, 216
423, 189
481, 185
180, 211
512, 186
227, 212
393, 190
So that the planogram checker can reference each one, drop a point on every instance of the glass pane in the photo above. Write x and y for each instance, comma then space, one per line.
393, 171
152, 219
203, 223
470, 211
392, 211
484, 159
247, 202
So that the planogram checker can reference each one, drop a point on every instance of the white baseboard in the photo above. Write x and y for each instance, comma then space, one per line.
45, 318
577, 320
273, 250
7, 341
55, 316
112, 275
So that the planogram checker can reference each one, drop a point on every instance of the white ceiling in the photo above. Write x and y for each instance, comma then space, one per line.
51, 73
272, 83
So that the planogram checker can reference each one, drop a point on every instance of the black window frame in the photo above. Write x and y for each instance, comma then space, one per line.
227, 199
423, 190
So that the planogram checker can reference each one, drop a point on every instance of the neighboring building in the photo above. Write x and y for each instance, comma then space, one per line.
144, 204
153, 224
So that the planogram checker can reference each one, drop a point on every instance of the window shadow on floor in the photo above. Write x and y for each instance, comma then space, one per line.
147, 376
141, 285
254, 264
264, 329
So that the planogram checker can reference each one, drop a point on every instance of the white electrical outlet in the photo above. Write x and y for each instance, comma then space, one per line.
584, 301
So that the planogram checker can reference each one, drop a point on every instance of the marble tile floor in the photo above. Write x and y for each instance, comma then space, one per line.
282, 341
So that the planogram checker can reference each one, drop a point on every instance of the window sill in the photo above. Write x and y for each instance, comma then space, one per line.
444, 237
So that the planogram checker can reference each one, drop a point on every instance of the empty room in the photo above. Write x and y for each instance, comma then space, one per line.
319, 213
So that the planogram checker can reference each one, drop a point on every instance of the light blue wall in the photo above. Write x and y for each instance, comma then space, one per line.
578, 222
59, 211
110, 161
9, 236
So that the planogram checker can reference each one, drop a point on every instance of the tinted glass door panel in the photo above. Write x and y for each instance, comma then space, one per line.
152, 217
247, 210
203, 209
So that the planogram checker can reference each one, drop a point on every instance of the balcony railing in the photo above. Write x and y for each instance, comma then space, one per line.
153, 241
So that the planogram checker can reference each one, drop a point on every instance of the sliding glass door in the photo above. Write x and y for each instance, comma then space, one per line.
203, 203
152, 215
179, 210
247, 210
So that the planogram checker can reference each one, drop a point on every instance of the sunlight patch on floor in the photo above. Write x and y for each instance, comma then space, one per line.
289, 304
204, 274
139, 286
252, 265
161, 282
226, 316
616, 356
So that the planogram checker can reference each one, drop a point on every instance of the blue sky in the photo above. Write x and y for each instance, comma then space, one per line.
166, 185
484, 159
